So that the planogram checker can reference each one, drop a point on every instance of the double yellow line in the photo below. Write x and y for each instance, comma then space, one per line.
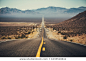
39, 50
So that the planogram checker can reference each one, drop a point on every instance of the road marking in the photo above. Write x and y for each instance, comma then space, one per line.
43, 49
76, 43
39, 50
44, 42
12, 40
8, 40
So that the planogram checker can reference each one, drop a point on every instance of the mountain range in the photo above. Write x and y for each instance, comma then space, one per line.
47, 12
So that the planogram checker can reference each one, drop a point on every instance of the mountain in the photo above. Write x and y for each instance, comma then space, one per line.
50, 9
47, 12
76, 10
8, 10
76, 21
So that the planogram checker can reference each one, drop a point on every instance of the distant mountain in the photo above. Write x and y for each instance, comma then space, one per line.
76, 21
50, 9
76, 10
47, 12
8, 10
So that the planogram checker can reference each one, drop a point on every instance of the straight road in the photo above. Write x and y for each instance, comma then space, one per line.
21, 47
50, 47
57, 48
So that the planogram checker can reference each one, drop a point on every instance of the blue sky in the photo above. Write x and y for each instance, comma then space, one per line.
34, 4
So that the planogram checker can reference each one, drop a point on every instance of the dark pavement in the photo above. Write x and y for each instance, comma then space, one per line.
57, 48
20, 48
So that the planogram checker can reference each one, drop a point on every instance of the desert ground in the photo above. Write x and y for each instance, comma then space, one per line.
18, 30
26, 30
66, 35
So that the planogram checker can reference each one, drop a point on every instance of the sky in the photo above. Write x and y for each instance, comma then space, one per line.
35, 4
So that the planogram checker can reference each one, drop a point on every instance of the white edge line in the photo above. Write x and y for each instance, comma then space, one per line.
10, 40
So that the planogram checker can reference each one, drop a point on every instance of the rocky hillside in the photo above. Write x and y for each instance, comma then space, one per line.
76, 21
73, 29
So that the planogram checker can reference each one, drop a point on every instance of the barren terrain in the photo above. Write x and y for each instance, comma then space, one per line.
18, 30
73, 29
53, 34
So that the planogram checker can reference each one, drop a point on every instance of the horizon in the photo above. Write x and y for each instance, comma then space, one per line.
43, 7
36, 4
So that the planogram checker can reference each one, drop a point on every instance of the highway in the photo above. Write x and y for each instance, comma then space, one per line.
50, 47
20, 48
57, 48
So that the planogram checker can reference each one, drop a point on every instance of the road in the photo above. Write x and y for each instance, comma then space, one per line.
20, 48
57, 48
50, 47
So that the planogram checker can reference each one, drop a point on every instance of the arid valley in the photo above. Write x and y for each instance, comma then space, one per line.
72, 30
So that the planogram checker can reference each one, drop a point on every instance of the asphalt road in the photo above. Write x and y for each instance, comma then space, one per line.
29, 47
20, 48
57, 48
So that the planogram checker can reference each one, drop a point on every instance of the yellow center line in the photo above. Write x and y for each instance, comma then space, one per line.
39, 50
43, 49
